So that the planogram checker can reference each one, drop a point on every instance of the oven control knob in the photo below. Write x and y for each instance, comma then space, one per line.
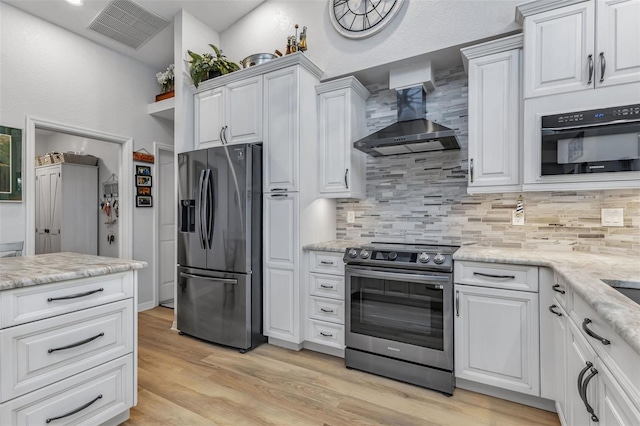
353, 253
424, 257
393, 255
364, 254
439, 259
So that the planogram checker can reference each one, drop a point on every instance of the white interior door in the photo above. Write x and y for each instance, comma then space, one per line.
166, 226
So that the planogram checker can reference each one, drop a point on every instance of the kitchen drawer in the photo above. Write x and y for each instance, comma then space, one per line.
324, 309
331, 286
560, 289
325, 333
326, 262
496, 275
109, 386
621, 359
43, 352
26, 304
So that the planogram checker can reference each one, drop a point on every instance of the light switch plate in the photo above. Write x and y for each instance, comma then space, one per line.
517, 219
351, 217
612, 217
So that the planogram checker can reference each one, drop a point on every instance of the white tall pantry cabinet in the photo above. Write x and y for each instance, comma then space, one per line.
67, 208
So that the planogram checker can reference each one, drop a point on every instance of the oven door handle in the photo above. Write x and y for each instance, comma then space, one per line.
556, 130
398, 276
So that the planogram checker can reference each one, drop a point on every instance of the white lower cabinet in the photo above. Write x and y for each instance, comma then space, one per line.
559, 379
496, 338
580, 359
614, 406
280, 307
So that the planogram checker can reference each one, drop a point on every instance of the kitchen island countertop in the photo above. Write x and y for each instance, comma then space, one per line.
583, 272
24, 271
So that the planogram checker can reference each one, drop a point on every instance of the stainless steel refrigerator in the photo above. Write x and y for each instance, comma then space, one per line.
220, 245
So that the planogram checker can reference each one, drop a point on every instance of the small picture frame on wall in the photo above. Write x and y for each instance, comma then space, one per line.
144, 201
143, 171
143, 181
143, 190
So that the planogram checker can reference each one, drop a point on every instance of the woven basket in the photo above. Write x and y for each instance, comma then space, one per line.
44, 160
66, 157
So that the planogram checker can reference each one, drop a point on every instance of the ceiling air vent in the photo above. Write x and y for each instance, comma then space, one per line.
126, 22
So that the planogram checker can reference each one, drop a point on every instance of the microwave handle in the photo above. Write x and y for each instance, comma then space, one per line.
585, 126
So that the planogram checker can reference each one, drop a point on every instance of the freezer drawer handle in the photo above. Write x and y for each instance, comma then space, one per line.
75, 345
75, 296
77, 410
200, 277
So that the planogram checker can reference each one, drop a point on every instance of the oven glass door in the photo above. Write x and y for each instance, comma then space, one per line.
405, 315
595, 149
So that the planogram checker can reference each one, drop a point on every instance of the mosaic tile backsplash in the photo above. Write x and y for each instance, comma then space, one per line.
423, 197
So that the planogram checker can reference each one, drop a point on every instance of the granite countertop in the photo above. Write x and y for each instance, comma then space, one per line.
24, 271
338, 246
582, 271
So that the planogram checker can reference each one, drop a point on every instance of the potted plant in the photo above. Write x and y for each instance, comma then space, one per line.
206, 66
166, 80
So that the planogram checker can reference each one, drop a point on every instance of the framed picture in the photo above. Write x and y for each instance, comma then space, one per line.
143, 190
143, 171
144, 201
143, 181
10, 164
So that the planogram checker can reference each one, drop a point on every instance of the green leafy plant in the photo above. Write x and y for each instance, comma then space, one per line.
205, 66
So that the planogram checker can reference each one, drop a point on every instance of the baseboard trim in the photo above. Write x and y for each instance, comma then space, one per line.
532, 401
116, 420
146, 306
285, 344
329, 350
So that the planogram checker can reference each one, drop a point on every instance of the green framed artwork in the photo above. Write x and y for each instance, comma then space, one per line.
10, 164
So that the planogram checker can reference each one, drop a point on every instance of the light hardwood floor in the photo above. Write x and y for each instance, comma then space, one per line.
184, 382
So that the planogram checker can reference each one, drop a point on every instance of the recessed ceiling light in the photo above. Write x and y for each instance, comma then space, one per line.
75, 2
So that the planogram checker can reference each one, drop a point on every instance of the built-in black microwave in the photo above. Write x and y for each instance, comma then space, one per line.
594, 141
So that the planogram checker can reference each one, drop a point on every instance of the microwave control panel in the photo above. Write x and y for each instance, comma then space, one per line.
592, 116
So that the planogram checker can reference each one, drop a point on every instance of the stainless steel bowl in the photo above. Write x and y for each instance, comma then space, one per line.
256, 59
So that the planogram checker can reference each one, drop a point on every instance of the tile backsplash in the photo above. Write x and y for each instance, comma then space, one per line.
423, 197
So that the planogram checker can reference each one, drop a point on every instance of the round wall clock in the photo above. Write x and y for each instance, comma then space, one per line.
362, 18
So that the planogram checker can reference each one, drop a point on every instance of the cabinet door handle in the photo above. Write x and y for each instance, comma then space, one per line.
586, 329
556, 288
75, 345
510, 277
590, 57
580, 377
221, 137
329, 311
471, 169
77, 410
224, 134
554, 312
457, 303
326, 334
75, 296
346, 178
324, 262
326, 286
588, 407
603, 66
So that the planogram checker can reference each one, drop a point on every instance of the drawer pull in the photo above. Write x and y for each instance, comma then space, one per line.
326, 334
329, 311
77, 410
504, 277
554, 312
80, 343
586, 322
556, 287
75, 296
326, 286
325, 262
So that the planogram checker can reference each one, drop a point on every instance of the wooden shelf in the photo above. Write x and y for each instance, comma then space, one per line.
162, 109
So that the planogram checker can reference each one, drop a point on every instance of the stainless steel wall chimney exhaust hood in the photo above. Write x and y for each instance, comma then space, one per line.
412, 133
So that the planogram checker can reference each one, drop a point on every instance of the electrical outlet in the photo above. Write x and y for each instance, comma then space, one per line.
612, 217
351, 217
517, 219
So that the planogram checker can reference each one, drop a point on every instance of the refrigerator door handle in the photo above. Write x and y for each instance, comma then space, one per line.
201, 209
201, 277
210, 208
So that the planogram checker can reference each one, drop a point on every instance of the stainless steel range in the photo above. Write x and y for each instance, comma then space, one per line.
399, 321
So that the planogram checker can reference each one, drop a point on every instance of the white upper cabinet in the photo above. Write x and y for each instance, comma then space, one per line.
581, 46
281, 137
229, 114
341, 121
494, 115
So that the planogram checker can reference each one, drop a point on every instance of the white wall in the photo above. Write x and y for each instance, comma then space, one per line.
108, 163
50, 73
421, 26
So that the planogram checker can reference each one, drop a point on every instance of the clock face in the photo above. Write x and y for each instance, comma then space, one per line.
362, 18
